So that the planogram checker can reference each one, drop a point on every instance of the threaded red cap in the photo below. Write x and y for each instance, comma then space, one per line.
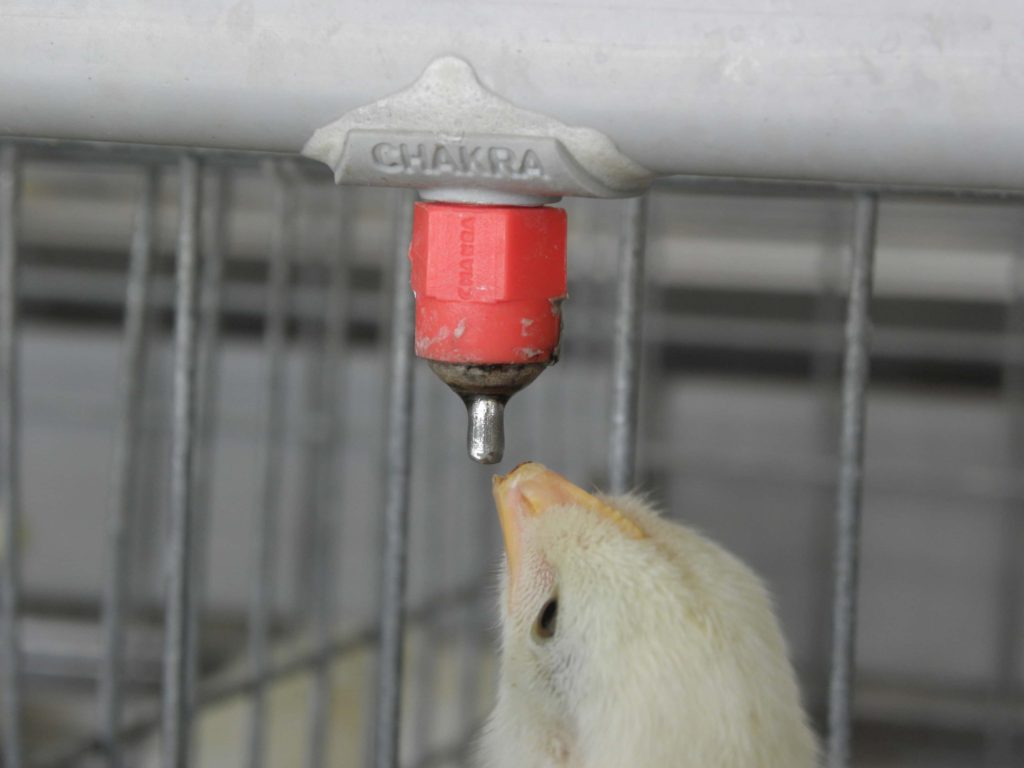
488, 281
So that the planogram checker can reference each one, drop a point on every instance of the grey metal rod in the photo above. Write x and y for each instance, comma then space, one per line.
10, 460
132, 389
264, 551
470, 496
308, 308
435, 542
328, 508
626, 349
176, 712
826, 359
214, 233
149, 487
99, 152
473, 655
851, 471
396, 503
222, 689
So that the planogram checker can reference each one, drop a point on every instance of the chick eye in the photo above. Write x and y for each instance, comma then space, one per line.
547, 621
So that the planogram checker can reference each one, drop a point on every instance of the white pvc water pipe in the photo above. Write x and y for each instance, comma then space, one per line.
922, 92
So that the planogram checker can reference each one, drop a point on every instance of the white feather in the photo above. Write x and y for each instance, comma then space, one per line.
666, 654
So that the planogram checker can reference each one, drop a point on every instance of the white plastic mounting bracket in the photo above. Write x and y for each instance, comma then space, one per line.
454, 140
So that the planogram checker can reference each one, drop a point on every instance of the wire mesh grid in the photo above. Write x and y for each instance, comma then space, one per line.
239, 525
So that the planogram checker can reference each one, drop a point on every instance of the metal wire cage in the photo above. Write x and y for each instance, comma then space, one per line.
239, 525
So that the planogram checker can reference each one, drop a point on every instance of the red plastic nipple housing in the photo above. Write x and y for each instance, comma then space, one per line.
489, 282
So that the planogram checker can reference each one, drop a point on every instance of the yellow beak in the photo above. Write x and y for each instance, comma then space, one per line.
532, 489
514, 505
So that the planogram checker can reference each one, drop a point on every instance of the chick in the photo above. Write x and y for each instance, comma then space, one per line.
631, 642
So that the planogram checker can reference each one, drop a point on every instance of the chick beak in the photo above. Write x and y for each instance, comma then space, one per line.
527, 491
532, 489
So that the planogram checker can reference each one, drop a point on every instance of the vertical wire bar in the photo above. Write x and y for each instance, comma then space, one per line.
824, 374
335, 344
585, 338
474, 564
433, 542
478, 549
176, 712
396, 504
148, 497
10, 464
1001, 739
263, 556
626, 350
207, 391
574, 345
132, 390
311, 468
851, 472
654, 420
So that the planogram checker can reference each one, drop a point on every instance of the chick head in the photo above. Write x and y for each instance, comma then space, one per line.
628, 640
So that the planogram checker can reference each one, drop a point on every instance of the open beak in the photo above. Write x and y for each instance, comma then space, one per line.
530, 490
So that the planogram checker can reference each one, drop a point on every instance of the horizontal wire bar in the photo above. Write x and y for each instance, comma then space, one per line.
110, 152
672, 328
730, 185
88, 152
213, 692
